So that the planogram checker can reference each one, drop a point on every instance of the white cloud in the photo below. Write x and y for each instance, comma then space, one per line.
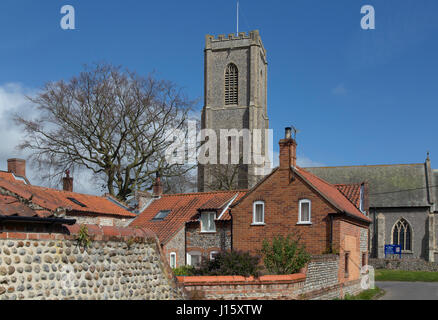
340, 90
12, 100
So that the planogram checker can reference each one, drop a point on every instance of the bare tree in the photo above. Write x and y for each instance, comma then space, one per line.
110, 121
226, 177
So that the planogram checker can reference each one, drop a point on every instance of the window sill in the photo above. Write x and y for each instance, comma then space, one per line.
208, 232
304, 223
258, 224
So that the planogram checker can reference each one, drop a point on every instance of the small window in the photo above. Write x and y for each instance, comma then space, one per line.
362, 198
213, 255
162, 215
208, 223
77, 202
347, 264
305, 212
259, 213
194, 259
364, 259
173, 260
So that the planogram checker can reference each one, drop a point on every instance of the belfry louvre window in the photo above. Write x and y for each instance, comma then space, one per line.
402, 235
231, 85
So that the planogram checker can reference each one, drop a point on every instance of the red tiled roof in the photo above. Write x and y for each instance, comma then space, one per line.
183, 207
53, 199
332, 194
9, 176
352, 192
10, 206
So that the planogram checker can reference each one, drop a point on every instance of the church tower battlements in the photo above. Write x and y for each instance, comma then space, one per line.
235, 97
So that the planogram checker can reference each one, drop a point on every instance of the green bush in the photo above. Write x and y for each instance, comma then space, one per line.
284, 255
234, 263
186, 271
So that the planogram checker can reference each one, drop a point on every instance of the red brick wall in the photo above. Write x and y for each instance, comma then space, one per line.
230, 288
347, 240
281, 215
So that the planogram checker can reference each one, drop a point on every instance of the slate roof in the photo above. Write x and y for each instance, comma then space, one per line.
389, 185
184, 208
53, 199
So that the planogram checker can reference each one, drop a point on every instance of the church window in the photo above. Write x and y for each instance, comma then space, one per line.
402, 235
231, 85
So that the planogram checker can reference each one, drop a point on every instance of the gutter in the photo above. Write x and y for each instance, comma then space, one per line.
352, 216
69, 222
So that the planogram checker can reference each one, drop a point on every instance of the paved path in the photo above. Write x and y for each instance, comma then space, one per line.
409, 290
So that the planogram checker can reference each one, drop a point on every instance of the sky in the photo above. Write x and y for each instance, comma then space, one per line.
358, 97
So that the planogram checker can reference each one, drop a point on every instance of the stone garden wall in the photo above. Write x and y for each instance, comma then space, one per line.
119, 264
404, 264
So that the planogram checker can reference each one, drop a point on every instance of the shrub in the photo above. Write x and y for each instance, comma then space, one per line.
186, 271
284, 255
234, 263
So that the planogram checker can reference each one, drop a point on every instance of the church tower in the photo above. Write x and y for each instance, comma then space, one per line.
235, 98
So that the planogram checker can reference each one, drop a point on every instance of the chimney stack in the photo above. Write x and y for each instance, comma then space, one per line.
17, 167
157, 187
288, 151
67, 182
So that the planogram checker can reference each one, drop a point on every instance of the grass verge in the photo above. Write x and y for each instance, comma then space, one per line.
406, 276
371, 294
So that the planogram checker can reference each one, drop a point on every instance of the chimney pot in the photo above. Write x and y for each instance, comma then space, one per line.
288, 134
17, 167
158, 187
288, 151
67, 182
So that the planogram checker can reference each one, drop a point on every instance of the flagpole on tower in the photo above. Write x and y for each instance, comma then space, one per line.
237, 17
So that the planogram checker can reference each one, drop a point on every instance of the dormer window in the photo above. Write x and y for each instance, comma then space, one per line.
305, 212
208, 222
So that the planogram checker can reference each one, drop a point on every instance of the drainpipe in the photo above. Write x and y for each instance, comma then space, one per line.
331, 233
231, 246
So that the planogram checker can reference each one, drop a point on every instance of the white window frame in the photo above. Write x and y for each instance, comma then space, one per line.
362, 199
212, 253
254, 214
173, 254
193, 253
300, 220
211, 228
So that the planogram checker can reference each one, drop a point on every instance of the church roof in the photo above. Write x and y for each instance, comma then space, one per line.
389, 185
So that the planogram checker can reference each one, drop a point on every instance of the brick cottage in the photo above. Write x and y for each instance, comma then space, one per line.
292, 201
190, 227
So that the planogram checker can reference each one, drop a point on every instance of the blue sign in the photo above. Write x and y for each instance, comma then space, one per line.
393, 250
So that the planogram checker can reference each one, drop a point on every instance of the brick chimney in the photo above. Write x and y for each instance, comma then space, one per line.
67, 182
17, 167
288, 151
157, 187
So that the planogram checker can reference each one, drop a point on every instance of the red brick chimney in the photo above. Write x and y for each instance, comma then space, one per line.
288, 151
17, 167
157, 187
67, 182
